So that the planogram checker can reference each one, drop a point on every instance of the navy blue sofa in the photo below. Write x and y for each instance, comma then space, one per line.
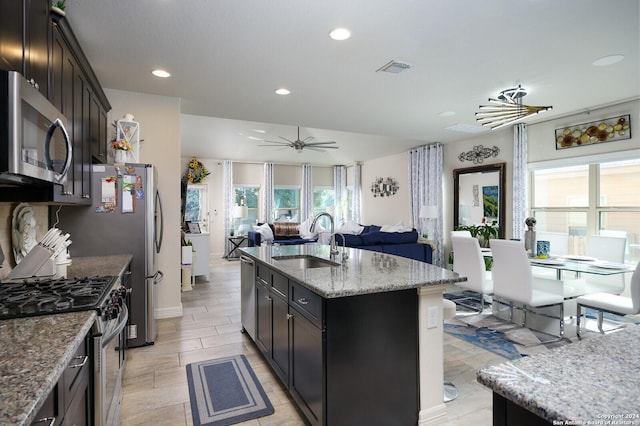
403, 244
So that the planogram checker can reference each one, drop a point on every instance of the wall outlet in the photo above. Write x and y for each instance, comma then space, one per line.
432, 317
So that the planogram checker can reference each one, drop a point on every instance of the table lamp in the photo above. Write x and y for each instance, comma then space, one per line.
240, 212
428, 214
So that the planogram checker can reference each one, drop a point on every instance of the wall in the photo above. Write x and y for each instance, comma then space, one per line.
386, 210
159, 119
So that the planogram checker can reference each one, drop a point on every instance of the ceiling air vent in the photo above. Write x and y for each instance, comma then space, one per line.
394, 67
466, 128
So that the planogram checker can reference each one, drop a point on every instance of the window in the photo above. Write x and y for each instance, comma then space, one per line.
247, 196
323, 199
596, 199
286, 201
196, 204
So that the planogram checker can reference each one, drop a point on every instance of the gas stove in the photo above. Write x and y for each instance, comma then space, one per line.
51, 296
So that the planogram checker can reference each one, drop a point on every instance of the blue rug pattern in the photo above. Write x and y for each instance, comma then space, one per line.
225, 391
491, 340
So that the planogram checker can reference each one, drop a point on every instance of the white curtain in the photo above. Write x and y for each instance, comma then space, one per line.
306, 198
339, 194
520, 181
425, 181
357, 188
227, 201
267, 194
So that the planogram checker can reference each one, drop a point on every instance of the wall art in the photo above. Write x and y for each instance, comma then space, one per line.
595, 132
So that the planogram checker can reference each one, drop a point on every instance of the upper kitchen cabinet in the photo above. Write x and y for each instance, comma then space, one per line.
25, 38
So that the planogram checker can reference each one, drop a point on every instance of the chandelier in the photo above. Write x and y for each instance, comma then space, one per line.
384, 187
507, 109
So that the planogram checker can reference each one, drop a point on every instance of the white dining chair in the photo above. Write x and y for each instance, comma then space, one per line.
609, 249
513, 283
469, 262
460, 234
611, 303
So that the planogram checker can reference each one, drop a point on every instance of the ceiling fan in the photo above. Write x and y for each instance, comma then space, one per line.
299, 145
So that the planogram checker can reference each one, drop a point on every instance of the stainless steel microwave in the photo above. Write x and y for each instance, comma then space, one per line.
34, 143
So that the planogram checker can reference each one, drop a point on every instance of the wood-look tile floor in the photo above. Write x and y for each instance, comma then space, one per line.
155, 381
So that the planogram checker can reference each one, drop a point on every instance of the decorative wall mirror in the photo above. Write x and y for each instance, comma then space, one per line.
479, 193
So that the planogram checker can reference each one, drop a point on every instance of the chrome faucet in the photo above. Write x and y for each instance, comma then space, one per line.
332, 239
345, 255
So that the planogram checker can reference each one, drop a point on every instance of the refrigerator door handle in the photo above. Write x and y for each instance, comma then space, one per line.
157, 277
158, 241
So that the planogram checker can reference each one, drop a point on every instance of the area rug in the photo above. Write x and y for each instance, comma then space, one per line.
225, 391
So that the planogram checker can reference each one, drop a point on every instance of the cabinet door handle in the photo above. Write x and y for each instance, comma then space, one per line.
51, 420
84, 361
303, 301
289, 316
268, 298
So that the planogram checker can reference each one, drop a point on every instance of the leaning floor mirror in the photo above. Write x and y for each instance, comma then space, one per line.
479, 196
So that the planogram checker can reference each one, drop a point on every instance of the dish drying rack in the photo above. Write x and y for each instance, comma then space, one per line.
41, 259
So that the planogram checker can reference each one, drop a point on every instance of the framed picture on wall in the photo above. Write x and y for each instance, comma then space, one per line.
595, 132
194, 227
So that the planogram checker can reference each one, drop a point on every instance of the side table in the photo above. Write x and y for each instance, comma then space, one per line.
234, 243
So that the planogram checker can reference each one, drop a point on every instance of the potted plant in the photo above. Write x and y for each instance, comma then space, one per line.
58, 7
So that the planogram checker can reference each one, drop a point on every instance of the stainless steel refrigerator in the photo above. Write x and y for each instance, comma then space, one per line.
125, 217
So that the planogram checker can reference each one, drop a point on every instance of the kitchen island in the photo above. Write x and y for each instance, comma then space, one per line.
594, 381
357, 341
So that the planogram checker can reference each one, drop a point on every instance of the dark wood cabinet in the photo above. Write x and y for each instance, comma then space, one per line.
25, 40
50, 53
347, 360
69, 402
37, 37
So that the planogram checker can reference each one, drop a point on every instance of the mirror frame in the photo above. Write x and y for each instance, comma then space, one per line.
497, 167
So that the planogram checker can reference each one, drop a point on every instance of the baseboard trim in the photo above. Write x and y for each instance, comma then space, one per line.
432, 415
172, 312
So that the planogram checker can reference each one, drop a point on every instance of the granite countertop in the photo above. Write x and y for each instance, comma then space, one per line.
364, 272
102, 266
594, 380
34, 352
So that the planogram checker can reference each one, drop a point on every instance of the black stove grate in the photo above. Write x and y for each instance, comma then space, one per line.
48, 296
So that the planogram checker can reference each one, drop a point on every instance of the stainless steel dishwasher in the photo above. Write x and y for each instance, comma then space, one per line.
248, 295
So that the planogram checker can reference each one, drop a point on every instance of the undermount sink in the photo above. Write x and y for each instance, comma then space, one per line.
304, 261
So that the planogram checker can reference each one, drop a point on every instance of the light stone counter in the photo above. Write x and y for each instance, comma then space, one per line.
364, 272
594, 381
34, 352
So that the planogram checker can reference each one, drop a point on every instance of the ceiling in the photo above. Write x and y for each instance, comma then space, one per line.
227, 57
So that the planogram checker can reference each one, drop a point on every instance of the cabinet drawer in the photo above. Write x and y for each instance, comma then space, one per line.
306, 302
77, 369
281, 284
263, 274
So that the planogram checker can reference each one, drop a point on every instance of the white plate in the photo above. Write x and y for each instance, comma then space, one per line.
580, 258
606, 265
548, 261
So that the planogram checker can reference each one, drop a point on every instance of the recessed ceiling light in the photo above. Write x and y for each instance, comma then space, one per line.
447, 114
608, 60
282, 91
160, 73
340, 34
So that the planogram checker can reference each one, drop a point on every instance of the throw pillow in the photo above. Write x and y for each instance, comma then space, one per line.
398, 227
350, 227
305, 229
265, 232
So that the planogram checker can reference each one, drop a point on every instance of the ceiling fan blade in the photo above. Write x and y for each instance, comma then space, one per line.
307, 139
290, 141
321, 143
277, 142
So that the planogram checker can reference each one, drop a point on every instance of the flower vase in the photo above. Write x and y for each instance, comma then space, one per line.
120, 156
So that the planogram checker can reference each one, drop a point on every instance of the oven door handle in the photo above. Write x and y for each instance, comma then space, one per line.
122, 322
